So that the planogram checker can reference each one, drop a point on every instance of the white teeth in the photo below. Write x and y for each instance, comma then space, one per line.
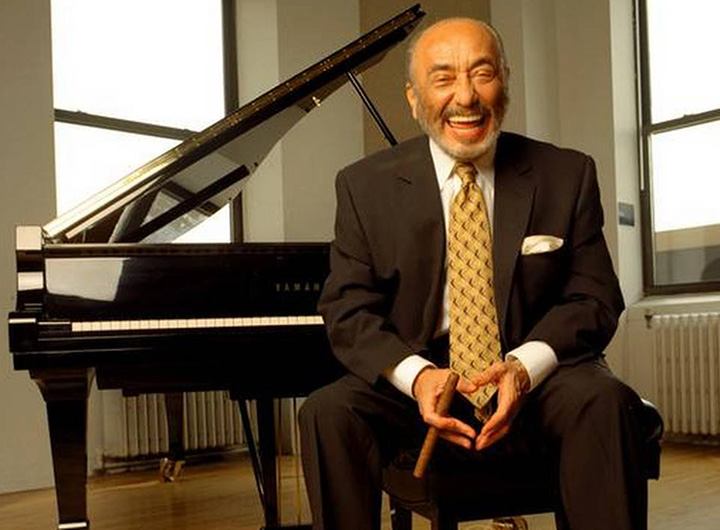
465, 119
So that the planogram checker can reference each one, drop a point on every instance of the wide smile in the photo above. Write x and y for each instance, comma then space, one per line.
469, 128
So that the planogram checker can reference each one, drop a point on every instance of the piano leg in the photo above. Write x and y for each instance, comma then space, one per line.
268, 464
171, 466
264, 460
65, 393
266, 442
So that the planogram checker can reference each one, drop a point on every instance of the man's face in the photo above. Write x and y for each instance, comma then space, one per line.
456, 91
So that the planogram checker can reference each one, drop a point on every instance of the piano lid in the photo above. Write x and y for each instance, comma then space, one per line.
182, 187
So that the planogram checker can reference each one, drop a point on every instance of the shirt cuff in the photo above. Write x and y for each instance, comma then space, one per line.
538, 358
403, 374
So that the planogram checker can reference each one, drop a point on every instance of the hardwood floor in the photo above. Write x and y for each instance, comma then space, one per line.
221, 495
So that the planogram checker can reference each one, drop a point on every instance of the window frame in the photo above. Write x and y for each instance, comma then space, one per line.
646, 129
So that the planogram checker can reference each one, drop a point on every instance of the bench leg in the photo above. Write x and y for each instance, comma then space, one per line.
400, 517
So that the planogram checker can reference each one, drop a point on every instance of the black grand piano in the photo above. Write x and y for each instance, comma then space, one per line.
102, 292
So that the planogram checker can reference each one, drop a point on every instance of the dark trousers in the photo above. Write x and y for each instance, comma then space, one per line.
582, 413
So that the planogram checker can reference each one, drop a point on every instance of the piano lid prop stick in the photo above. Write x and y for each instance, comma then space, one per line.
433, 432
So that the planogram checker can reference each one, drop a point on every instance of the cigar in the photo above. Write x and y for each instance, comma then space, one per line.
433, 433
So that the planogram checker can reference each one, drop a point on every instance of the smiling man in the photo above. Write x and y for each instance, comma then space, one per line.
481, 252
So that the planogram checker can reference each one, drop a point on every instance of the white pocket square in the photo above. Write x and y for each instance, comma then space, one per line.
539, 244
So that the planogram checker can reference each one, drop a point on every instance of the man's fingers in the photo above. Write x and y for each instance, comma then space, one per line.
499, 423
496, 427
449, 424
490, 375
495, 422
487, 439
501, 418
466, 386
459, 439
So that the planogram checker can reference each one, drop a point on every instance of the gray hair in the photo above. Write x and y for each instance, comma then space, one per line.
412, 46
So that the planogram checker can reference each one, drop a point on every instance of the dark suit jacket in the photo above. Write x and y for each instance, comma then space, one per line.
382, 299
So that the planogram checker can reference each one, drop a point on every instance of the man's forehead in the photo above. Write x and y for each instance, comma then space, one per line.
445, 41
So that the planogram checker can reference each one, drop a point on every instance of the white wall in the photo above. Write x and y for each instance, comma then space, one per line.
291, 196
330, 137
258, 71
627, 164
27, 197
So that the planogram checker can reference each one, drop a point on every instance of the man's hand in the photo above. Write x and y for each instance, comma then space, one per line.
513, 382
427, 387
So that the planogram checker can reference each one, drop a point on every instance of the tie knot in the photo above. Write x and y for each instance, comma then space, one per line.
466, 171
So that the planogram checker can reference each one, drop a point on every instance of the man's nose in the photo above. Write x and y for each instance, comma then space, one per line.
465, 94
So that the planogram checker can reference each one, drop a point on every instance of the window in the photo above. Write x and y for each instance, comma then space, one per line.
131, 80
680, 121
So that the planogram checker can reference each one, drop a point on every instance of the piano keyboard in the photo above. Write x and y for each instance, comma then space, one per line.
195, 323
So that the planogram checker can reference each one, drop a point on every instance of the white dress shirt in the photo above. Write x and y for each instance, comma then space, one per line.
537, 357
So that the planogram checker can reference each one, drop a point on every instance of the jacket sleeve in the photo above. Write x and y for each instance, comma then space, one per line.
354, 303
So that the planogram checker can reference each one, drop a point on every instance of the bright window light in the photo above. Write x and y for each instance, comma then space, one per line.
157, 61
686, 178
684, 41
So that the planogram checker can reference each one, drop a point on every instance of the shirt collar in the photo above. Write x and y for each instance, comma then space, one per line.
444, 163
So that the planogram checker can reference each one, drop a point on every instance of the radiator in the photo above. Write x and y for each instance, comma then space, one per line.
686, 372
211, 421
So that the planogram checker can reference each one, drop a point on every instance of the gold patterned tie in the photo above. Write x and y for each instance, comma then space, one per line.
474, 334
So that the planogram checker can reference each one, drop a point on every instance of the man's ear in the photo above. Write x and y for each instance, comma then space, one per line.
411, 98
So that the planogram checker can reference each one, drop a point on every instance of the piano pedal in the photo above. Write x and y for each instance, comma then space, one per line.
170, 469
509, 523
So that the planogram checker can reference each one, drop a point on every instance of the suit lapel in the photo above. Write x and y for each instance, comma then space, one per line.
514, 192
420, 200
